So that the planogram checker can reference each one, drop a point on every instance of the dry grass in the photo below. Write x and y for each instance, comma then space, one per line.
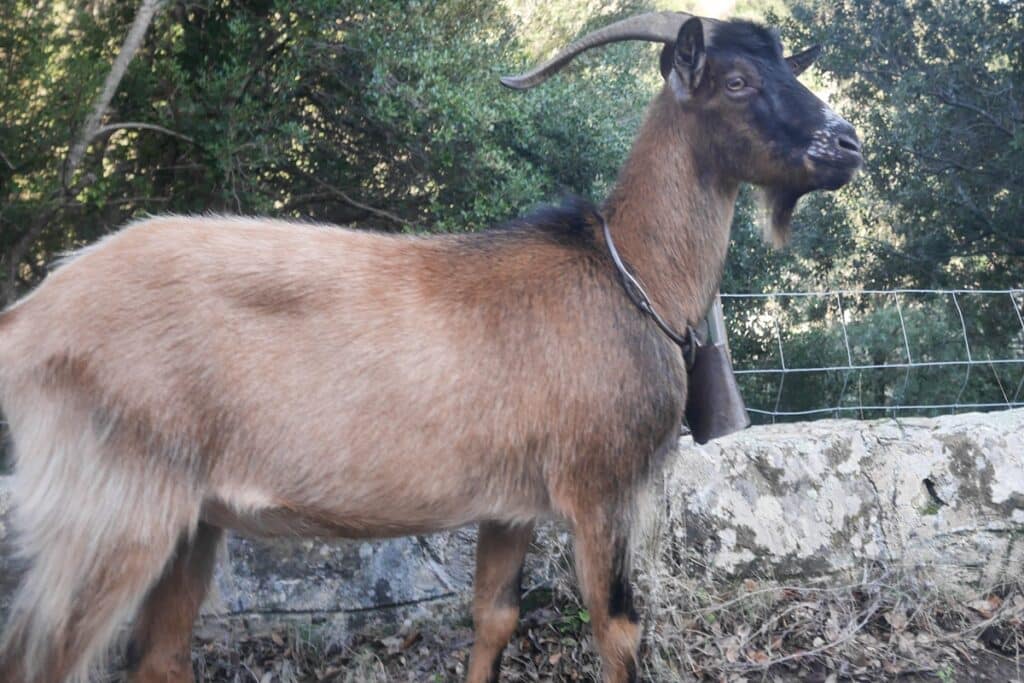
887, 623
890, 622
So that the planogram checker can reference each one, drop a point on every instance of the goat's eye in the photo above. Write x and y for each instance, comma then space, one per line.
735, 83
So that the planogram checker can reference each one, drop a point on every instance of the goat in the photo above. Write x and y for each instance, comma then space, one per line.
186, 375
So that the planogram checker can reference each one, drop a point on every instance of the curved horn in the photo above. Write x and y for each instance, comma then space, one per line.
659, 27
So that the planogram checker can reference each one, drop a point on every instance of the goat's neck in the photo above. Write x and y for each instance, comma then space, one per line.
670, 214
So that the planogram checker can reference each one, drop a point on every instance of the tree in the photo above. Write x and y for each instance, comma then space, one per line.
62, 184
387, 115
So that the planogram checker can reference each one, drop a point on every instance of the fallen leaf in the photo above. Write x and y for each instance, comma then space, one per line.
731, 649
392, 644
897, 619
413, 636
982, 607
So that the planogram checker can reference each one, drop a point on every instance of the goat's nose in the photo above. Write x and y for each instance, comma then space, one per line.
846, 139
849, 143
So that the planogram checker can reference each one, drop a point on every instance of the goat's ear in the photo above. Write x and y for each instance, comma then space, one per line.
688, 59
801, 61
668, 55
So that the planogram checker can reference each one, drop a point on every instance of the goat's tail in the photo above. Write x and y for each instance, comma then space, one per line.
95, 525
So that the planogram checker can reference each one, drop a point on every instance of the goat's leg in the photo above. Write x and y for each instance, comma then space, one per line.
160, 647
499, 565
603, 566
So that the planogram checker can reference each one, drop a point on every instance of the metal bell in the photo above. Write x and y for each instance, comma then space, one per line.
714, 406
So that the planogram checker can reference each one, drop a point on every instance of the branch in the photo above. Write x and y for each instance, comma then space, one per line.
948, 99
114, 127
132, 42
17, 254
352, 202
369, 209
6, 160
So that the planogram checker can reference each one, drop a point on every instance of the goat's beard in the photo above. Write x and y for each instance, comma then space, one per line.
777, 205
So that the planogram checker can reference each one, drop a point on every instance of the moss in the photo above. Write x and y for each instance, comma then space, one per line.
838, 453
976, 482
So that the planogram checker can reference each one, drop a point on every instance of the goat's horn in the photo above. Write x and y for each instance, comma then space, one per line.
659, 27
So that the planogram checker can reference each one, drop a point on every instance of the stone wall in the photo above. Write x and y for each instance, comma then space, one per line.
789, 500
829, 495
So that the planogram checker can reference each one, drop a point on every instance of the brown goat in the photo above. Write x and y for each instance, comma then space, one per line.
186, 375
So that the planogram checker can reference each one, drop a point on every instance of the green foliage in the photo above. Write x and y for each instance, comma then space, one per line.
48, 56
387, 115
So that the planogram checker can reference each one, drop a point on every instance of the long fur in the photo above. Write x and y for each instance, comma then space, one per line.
95, 537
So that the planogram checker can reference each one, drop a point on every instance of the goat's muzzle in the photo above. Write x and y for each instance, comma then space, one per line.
835, 152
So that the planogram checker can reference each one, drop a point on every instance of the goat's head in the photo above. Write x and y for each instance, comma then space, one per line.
756, 122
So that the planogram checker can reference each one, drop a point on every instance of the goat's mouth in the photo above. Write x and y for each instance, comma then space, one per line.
835, 165
833, 171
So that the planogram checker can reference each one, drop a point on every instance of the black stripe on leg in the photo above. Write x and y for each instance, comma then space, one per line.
620, 595
631, 675
496, 667
511, 593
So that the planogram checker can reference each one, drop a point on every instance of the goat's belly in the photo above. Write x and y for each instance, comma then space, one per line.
365, 514
288, 521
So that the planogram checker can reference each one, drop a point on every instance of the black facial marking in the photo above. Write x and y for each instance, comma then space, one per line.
766, 136
787, 113
753, 40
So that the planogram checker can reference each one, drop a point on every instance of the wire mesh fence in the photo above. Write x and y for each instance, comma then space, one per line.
871, 353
